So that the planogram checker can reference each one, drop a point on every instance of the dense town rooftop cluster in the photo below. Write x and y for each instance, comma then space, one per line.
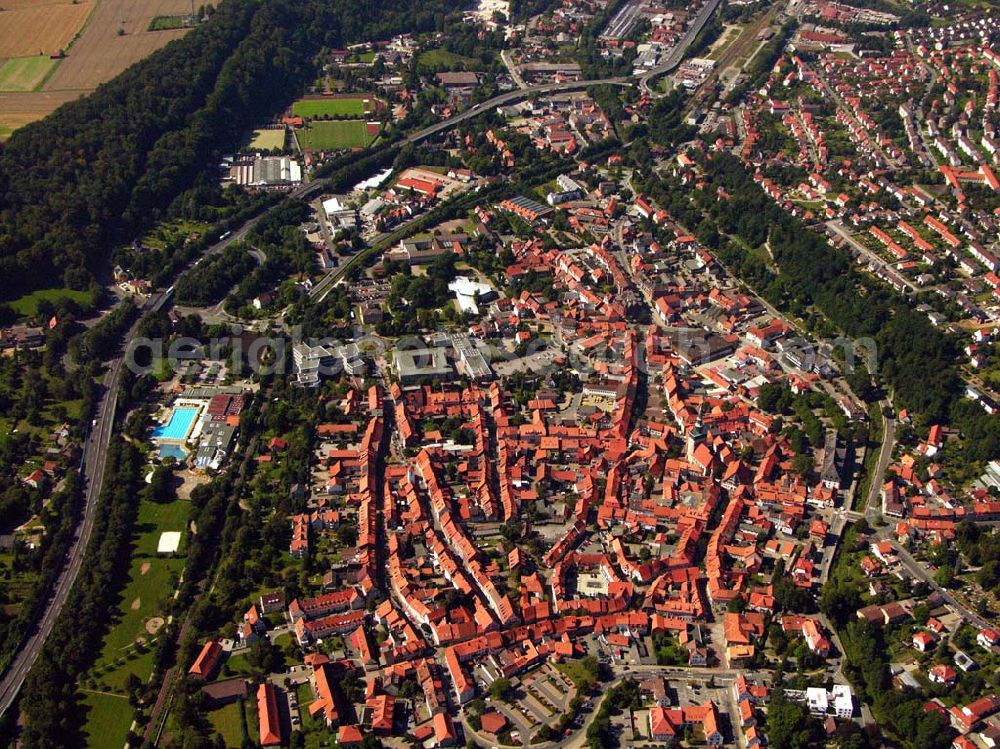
567, 445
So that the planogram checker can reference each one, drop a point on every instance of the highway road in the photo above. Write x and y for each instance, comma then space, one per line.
95, 451
92, 469
509, 98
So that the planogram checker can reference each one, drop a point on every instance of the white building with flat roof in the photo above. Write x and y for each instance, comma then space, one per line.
816, 700
843, 701
468, 293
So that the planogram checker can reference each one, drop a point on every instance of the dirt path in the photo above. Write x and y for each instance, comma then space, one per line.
106, 694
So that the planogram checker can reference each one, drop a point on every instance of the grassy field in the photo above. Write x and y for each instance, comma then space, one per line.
170, 231
108, 717
238, 665
28, 304
305, 697
437, 60
267, 140
873, 449
328, 135
226, 722
167, 23
577, 672
25, 73
150, 581
332, 107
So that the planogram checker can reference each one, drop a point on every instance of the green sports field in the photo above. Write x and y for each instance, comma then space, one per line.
439, 60
267, 140
25, 73
332, 107
328, 135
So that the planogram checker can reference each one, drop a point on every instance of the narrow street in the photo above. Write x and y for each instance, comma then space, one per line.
838, 228
512, 69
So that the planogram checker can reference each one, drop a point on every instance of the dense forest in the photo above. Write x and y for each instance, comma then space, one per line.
99, 170
211, 280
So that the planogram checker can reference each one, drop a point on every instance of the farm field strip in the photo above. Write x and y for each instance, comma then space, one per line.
25, 73
22, 4
95, 51
101, 52
18, 108
41, 30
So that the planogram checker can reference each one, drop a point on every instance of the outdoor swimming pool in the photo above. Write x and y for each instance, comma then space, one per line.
179, 425
176, 452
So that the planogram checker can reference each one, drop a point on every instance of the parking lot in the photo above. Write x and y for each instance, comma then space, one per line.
542, 698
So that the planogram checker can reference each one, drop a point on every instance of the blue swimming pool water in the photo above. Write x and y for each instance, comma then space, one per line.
172, 451
178, 426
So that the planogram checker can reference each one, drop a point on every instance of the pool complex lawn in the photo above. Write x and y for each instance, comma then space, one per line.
179, 425
108, 718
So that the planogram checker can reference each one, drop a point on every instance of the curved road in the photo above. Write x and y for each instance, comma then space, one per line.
512, 96
677, 55
96, 448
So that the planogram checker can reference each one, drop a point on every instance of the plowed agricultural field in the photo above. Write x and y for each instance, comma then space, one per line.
98, 54
18, 109
40, 29
101, 52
